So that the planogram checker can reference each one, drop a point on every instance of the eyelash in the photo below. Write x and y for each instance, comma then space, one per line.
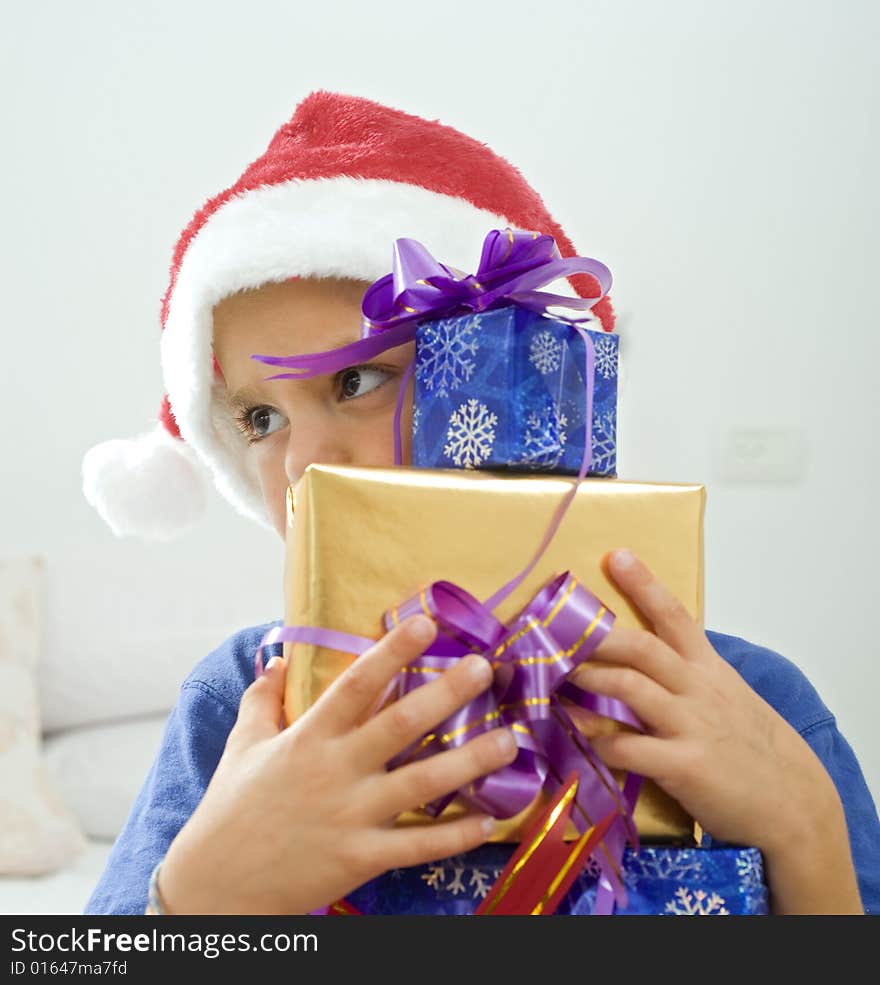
243, 416
243, 422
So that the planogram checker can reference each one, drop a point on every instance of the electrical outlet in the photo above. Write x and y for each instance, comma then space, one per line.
763, 455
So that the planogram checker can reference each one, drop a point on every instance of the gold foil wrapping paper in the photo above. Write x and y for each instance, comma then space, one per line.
363, 539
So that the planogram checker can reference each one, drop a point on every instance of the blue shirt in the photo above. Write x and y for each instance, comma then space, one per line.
197, 728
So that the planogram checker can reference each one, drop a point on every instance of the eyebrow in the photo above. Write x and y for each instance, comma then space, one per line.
246, 397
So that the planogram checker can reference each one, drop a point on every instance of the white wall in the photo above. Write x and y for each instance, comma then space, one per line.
722, 159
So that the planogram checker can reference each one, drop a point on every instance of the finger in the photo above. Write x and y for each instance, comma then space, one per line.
643, 754
664, 611
259, 712
653, 705
404, 721
416, 784
625, 646
357, 689
417, 844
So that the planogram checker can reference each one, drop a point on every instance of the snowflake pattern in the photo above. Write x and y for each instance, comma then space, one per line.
416, 418
604, 442
545, 352
678, 866
606, 356
471, 434
451, 876
544, 440
696, 904
750, 871
671, 881
445, 348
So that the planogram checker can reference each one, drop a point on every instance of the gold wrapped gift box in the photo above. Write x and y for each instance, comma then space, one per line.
363, 539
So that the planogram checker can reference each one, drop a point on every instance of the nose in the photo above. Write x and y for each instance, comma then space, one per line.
313, 438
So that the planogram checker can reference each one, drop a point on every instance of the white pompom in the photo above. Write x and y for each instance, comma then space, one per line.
149, 487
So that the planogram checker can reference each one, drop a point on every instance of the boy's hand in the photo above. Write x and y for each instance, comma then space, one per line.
295, 818
718, 748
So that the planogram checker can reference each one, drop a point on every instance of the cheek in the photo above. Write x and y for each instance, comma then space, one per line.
269, 460
381, 440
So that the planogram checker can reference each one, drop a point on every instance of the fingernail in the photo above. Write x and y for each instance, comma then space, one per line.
272, 663
421, 629
488, 826
478, 668
506, 742
623, 560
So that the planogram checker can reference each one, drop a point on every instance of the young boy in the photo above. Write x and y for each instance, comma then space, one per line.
240, 816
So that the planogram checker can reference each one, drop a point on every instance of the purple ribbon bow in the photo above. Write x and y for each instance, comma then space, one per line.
532, 659
513, 264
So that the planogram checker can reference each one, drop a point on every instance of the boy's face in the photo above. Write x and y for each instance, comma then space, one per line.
343, 419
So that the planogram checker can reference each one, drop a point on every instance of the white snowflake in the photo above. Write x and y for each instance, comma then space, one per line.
604, 444
444, 350
750, 870
456, 886
416, 417
545, 436
449, 876
666, 865
606, 356
545, 352
698, 904
482, 882
471, 434
435, 876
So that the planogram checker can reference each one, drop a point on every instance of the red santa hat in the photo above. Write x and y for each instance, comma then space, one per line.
338, 183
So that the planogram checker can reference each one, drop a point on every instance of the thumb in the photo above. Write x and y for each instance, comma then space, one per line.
259, 713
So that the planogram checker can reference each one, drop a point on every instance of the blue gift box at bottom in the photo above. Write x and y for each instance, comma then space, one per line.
660, 880
505, 390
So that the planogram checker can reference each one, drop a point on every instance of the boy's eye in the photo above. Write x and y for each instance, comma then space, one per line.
360, 380
258, 421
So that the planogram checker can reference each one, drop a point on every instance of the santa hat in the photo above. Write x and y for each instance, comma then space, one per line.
339, 183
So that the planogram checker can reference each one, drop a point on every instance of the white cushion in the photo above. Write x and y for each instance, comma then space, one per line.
128, 623
65, 891
115, 679
38, 831
100, 769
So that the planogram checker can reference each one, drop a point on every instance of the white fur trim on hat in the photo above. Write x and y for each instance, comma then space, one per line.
151, 486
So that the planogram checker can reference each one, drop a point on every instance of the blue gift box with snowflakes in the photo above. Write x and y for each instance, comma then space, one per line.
505, 389
660, 880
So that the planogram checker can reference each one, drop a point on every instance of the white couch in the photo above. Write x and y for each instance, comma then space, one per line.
63, 891
97, 770
79, 729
